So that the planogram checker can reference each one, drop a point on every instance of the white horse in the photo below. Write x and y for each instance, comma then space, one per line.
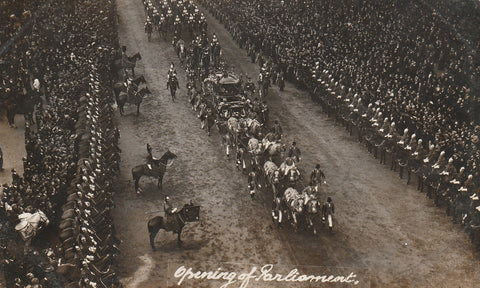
30, 224
294, 202
272, 175
290, 171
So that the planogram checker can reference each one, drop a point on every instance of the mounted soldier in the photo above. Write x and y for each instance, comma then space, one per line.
167, 207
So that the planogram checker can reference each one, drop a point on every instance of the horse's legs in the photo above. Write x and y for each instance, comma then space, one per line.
152, 239
138, 109
179, 237
160, 179
136, 184
295, 224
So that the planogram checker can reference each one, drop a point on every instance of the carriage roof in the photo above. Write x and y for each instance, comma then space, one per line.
220, 78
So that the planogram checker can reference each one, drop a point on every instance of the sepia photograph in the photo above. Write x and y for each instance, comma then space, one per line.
239, 143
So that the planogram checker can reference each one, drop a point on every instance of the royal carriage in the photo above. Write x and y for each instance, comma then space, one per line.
226, 95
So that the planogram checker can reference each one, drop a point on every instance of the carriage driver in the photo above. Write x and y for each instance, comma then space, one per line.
167, 207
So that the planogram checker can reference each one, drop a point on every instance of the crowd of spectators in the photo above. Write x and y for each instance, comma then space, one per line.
413, 63
13, 15
64, 64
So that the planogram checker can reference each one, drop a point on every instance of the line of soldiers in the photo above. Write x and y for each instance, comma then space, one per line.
176, 16
66, 65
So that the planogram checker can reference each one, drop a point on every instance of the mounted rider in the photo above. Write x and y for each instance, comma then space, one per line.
268, 141
167, 207
286, 166
125, 62
308, 193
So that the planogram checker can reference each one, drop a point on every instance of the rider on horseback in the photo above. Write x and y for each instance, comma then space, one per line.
167, 207
268, 141
125, 62
286, 166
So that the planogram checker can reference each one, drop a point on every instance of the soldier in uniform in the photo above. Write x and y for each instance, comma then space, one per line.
317, 177
167, 207
277, 130
328, 211
125, 62
252, 182
294, 152
172, 71
149, 29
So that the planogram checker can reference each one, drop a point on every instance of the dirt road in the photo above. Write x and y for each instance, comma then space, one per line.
12, 144
386, 233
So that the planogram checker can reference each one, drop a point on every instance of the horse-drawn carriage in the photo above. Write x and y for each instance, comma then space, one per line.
226, 95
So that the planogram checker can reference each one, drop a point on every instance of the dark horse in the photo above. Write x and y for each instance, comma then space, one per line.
136, 99
155, 169
132, 61
122, 87
10, 107
173, 222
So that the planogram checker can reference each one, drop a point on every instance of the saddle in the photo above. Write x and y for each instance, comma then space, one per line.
173, 222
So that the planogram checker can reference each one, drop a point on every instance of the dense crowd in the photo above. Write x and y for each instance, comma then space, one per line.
13, 15
63, 64
402, 69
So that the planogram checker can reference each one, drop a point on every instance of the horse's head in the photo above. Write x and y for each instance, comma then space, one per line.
312, 206
140, 79
293, 174
144, 91
276, 176
190, 213
298, 205
169, 155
